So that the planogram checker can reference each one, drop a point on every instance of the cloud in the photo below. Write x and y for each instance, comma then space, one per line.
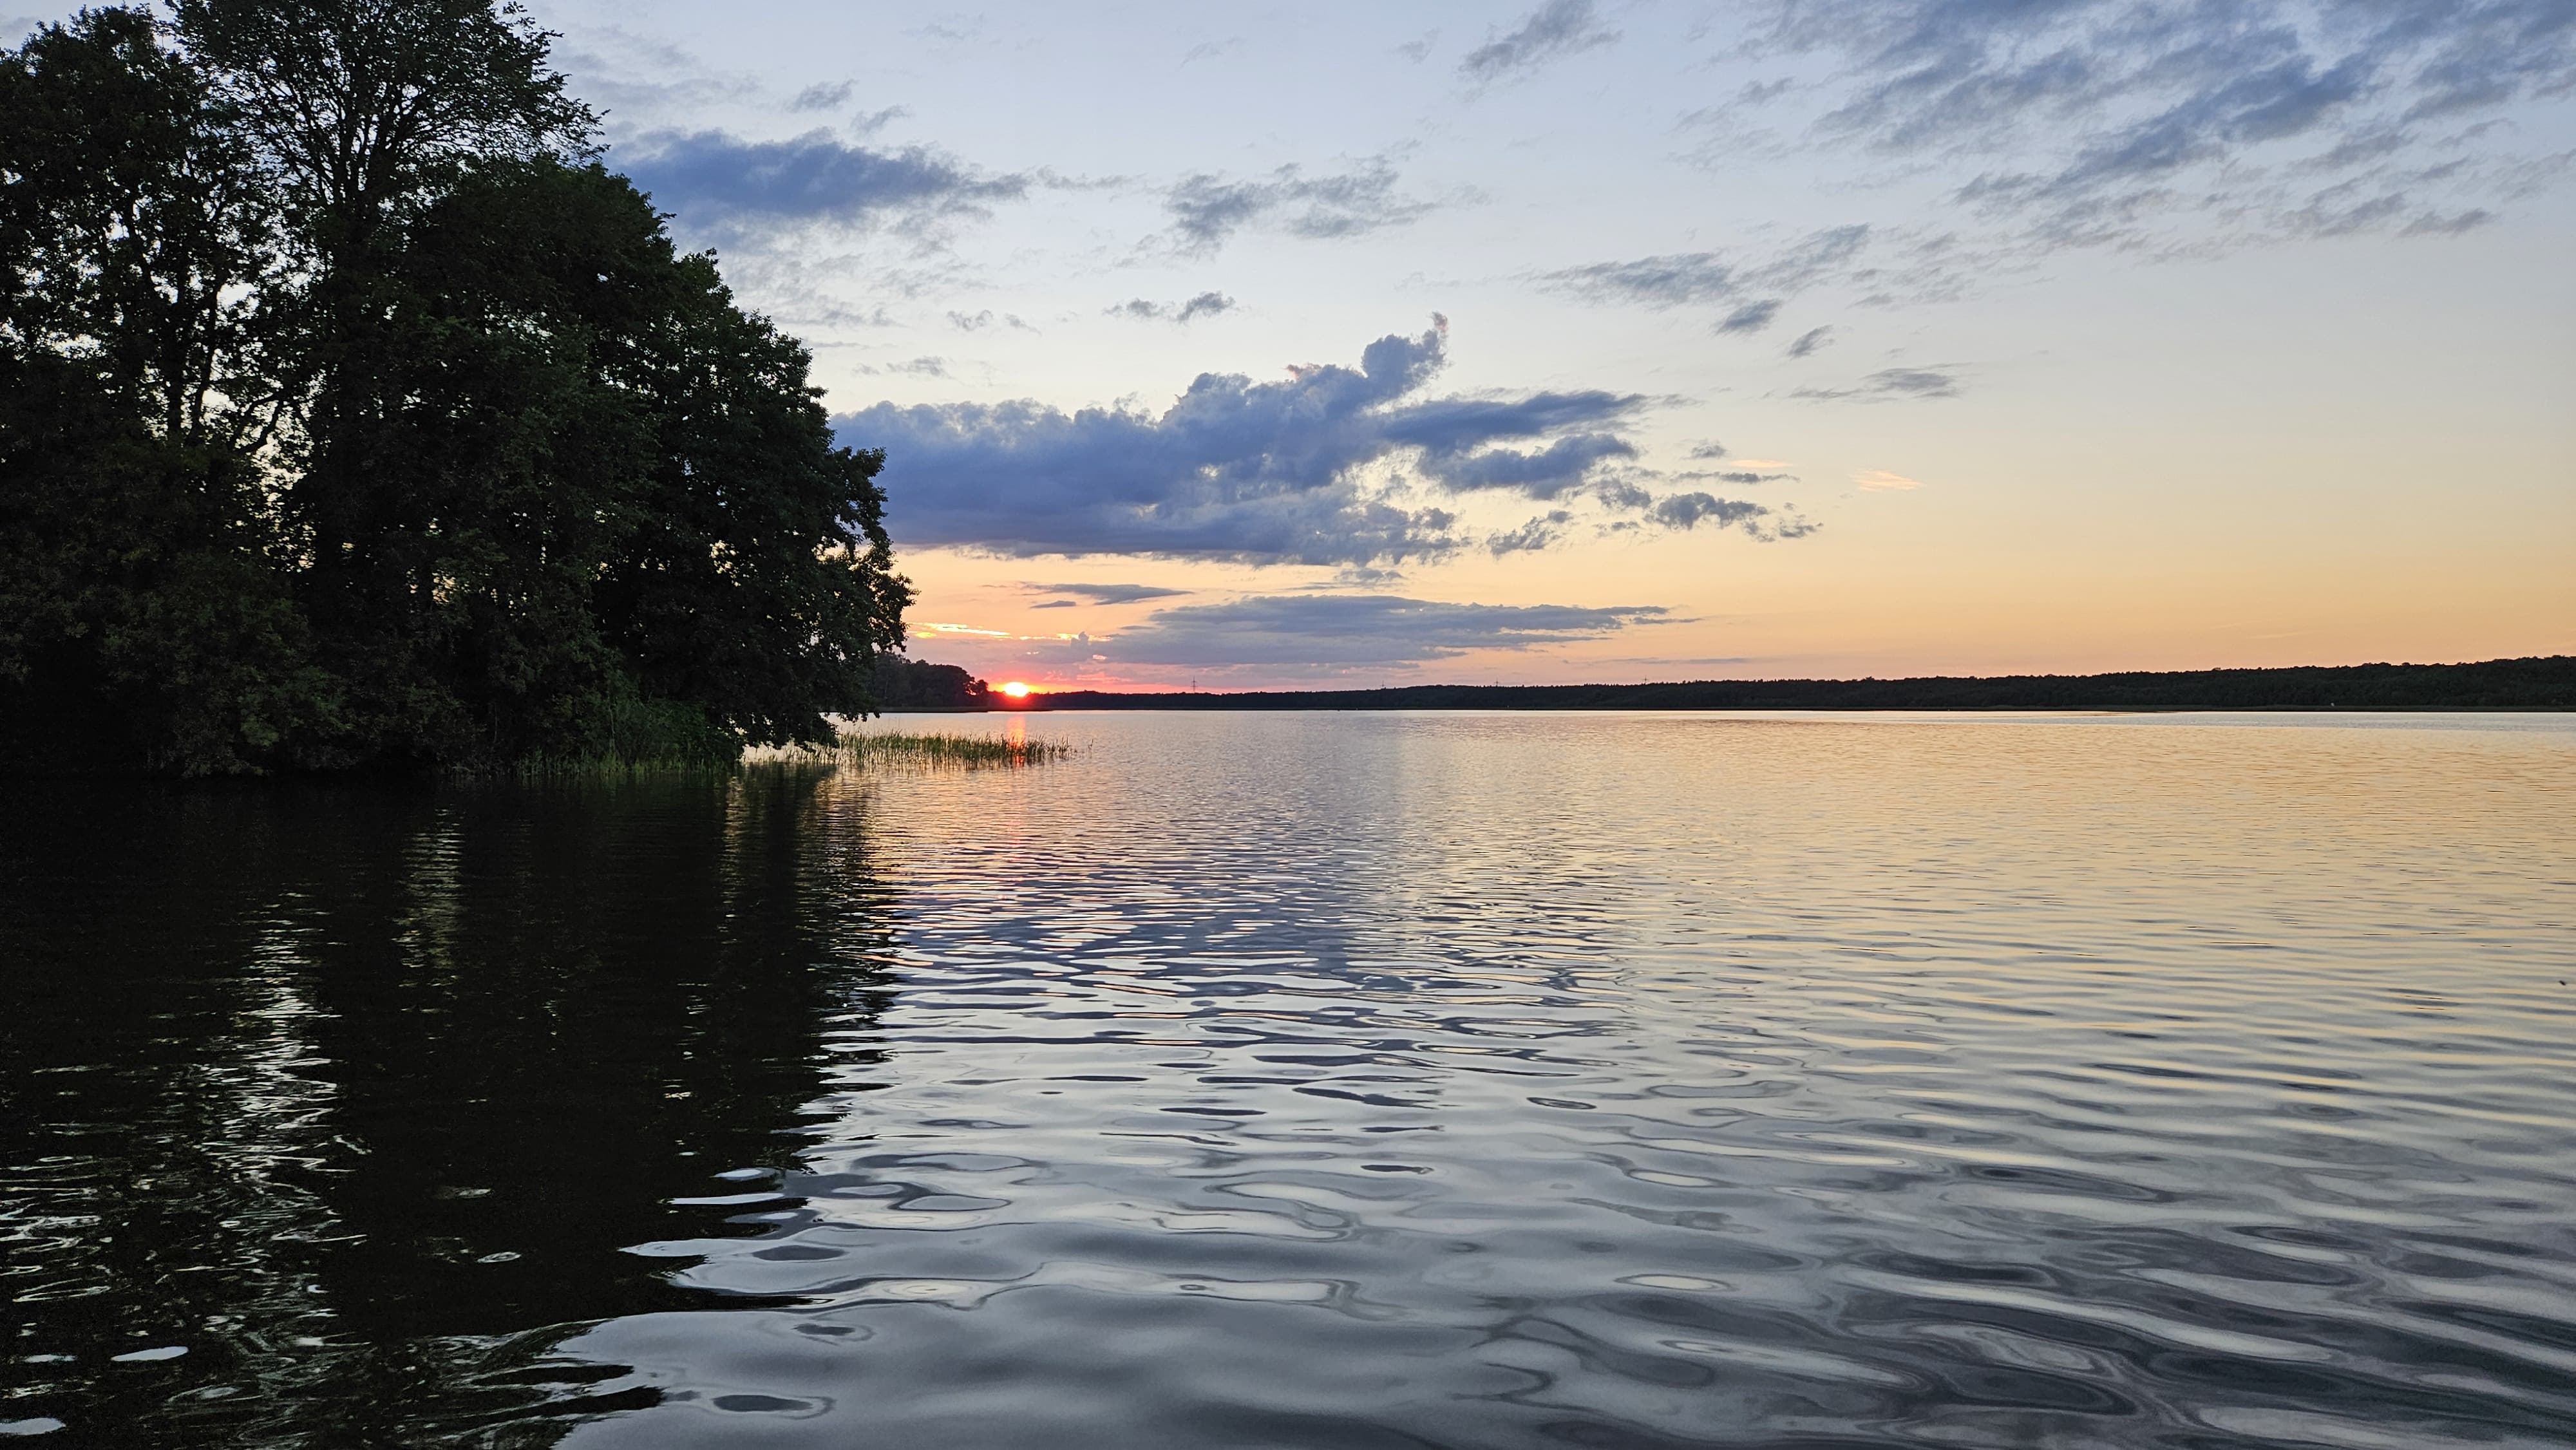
712, 179
1686, 278
1557, 28
1538, 533
1913, 383
1686, 510
2431, 224
1108, 593
1890, 383
1362, 576
920, 367
1751, 317
1340, 631
1879, 480
1329, 465
1206, 304
2178, 122
1547, 472
1667, 281
978, 321
1206, 209
1812, 341
1058, 604
820, 97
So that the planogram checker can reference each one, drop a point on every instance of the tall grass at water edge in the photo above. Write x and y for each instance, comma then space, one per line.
868, 747
857, 748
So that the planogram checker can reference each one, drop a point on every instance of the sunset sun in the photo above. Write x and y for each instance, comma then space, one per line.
1016, 690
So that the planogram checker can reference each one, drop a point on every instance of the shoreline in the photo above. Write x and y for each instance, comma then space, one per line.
2546, 682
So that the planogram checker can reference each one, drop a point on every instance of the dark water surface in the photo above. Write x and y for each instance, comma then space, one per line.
1318, 1081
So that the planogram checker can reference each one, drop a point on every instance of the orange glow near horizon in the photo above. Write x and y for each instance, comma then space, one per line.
1016, 689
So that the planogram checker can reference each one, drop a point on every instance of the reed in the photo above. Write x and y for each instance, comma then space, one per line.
869, 747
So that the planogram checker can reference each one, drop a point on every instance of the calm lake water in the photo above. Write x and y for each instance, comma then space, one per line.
1317, 1081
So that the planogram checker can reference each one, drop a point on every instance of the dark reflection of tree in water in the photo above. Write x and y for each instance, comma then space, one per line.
360, 1095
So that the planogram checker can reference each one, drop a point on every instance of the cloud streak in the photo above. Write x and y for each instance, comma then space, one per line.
1556, 29
2131, 122
713, 179
1206, 304
1207, 209
1751, 291
1888, 384
1108, 593
1344, 631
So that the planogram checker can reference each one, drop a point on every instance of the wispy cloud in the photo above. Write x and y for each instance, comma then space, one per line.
978, 321
1108, 593
1751, 317
1879, 480
1557, 28
1206, 304
712, 179
1891, 383
823, 97
920, 367
1752, 290
1342, 631
1206, 208
2179, 122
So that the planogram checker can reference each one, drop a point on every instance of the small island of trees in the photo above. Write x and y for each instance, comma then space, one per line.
354, 415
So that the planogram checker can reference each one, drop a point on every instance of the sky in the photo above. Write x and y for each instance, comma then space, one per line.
1242, 345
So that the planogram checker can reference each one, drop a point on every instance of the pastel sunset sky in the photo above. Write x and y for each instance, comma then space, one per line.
1587, 340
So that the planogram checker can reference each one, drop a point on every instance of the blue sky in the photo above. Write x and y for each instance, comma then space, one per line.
1588, 340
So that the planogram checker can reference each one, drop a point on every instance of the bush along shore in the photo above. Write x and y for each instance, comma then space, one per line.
353, 415
2540, 683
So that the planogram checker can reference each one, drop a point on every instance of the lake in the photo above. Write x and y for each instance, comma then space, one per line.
1328, 1080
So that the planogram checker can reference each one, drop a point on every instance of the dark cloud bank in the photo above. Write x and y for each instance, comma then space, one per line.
1330, 465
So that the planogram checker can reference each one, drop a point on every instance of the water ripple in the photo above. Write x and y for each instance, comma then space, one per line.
1455, 1081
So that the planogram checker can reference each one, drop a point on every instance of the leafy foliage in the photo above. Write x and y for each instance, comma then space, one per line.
352, 414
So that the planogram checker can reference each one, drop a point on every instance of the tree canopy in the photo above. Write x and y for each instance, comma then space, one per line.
353, 414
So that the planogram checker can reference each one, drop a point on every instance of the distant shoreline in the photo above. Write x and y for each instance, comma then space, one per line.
2545, 682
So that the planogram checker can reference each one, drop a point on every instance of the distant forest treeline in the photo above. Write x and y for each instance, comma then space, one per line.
352, 414
902, 684
2540, 683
